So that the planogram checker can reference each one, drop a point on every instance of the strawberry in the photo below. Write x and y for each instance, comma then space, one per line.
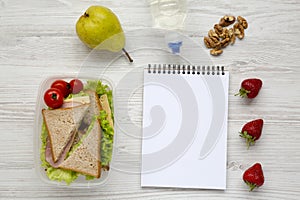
251, 131
254, 176
250, 88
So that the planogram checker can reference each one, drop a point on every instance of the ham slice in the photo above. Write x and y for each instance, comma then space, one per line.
76, 101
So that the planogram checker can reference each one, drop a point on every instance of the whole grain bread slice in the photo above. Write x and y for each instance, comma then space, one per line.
92, 111
62, 124
85, 159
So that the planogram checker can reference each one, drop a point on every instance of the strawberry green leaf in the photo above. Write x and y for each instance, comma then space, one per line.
243, 93
252, 186
250, 140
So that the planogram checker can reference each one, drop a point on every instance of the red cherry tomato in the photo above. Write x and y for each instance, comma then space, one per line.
76, 86
63, 86
53, 98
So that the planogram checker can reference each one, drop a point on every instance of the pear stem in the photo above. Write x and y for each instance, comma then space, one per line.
127, 55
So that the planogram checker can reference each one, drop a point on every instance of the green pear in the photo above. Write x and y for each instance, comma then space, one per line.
100, 28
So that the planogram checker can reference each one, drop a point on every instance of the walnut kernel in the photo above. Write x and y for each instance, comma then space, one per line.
216, 52
224, 33
209, 43
243, 22
239, 30
212, 34
224, 43
231, 36
218, 29
214, 39
227, 20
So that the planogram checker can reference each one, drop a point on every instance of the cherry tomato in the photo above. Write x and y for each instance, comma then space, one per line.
63, 86
76, 86
53, 98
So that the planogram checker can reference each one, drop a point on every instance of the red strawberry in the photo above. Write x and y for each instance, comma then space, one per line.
250, 88
254, 176
251, 131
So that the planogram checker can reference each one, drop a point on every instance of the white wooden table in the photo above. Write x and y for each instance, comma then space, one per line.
38, 39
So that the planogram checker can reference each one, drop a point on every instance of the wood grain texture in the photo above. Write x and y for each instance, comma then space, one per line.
38, 39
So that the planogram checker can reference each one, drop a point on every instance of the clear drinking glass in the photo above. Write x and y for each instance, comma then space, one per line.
168, 14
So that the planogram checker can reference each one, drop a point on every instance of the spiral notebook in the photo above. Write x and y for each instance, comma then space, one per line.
185, 112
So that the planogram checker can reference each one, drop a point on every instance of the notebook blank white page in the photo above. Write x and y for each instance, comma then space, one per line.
185, 128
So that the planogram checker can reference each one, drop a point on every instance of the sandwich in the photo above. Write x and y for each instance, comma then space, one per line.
62, 125
77, 139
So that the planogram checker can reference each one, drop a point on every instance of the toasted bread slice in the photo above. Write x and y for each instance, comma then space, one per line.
85, 159
93, 110
62, 124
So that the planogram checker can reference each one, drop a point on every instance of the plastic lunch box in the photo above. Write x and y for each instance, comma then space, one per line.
80, 181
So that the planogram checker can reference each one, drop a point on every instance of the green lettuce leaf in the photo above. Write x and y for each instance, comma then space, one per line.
106, 140
62, 175
87, 177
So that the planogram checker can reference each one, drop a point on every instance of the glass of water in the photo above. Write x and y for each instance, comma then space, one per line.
168, 14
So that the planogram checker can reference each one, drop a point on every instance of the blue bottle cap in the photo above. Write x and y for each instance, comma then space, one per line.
175, 46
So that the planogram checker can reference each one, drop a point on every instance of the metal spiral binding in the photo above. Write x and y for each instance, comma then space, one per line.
185, 69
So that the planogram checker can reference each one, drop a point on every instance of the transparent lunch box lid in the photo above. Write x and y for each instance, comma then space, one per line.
145, 46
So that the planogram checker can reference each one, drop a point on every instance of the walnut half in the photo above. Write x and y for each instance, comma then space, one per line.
243, 22
239, 30
209, 43
224, 34
224, 43
218, 29
216, 52
227, 20
212, 34
231, 36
